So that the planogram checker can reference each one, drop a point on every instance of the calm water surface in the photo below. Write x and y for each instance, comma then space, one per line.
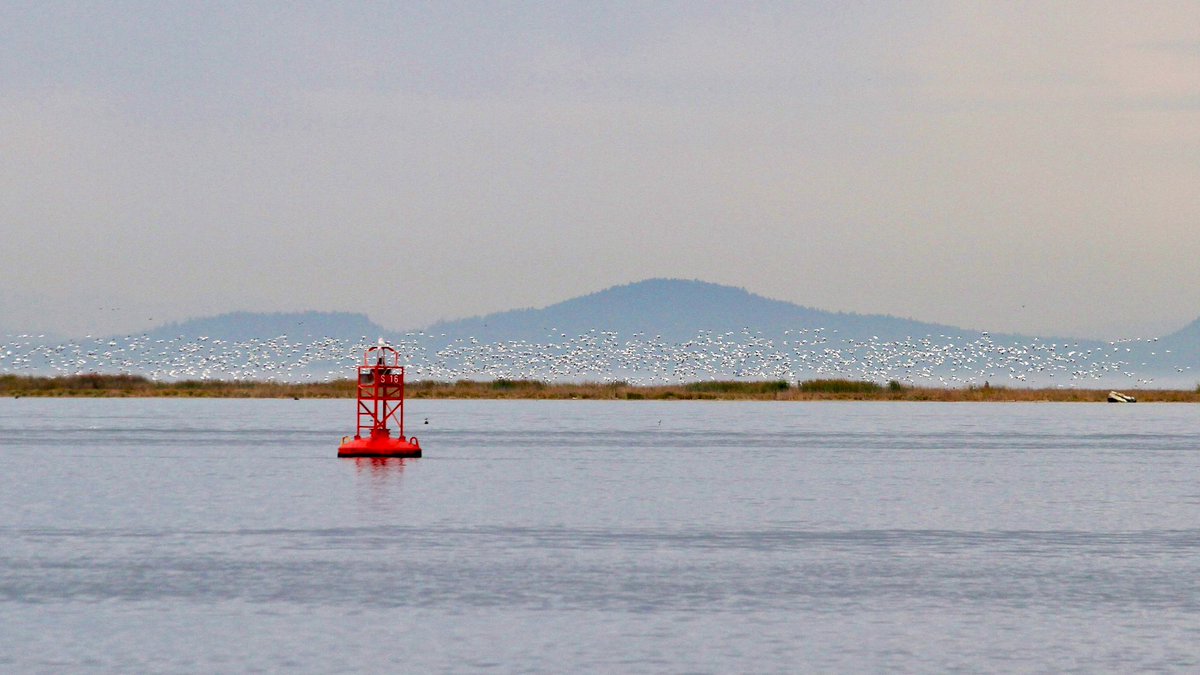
223, 535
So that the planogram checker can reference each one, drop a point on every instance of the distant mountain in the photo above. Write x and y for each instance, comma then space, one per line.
674, 310
1189, 335
1176, 355
242, 326
678, 310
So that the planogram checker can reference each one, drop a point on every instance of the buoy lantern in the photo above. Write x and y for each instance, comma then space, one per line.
380, 400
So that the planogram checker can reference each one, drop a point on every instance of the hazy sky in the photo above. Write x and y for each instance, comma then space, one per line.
1014, 166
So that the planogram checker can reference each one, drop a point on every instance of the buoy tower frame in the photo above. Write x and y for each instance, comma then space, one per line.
380, 388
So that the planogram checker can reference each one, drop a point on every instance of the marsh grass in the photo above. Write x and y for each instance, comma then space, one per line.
830, 386
98, 385
737, 387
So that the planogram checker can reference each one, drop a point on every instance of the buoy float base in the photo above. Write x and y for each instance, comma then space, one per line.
379, 446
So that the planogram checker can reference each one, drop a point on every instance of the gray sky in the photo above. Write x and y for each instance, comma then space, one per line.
1030, 167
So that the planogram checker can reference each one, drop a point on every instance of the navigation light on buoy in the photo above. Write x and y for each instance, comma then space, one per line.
380, 401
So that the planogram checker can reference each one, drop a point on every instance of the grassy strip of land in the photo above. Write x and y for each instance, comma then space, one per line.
97, 385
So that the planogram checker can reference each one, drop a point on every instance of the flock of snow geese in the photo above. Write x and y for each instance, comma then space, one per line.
596, 356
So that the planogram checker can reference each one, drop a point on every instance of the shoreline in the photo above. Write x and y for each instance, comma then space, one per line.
132, 386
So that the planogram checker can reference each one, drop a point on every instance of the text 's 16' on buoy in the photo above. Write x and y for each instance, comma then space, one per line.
380, 401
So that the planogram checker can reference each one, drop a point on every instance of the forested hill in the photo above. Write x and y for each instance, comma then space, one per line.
678, 310
244, 326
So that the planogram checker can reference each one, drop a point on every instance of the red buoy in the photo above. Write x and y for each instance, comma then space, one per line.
380, 399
